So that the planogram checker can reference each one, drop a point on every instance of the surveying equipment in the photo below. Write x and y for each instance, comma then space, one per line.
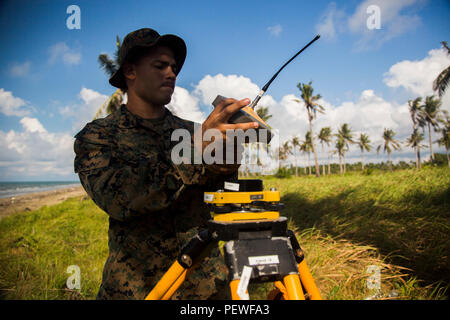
248, 114
258, 246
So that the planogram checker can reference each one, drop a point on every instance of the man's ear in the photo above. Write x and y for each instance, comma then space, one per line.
129, 71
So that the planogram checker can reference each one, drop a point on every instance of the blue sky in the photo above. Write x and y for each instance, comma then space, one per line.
51, 83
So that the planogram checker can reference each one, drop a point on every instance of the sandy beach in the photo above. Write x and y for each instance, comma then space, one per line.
33, 201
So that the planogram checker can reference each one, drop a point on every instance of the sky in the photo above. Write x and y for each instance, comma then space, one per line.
366, 66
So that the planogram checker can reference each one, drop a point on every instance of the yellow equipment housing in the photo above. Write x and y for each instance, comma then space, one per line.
240, 206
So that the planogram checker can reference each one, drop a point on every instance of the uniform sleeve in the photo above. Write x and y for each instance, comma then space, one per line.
203, 174
192, 172
123, 188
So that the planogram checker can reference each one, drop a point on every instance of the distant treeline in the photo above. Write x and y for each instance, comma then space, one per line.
440, 161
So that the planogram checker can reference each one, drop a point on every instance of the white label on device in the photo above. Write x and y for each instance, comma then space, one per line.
243, 283
231, 186
208, 197
263, 260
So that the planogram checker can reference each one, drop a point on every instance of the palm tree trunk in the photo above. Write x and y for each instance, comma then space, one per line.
323, 163
304, 168
448, 159
340, 164
417, 158
345, 167
362, 159
316, 160
329, 166
389, 160
431, 144
309, 166
296, 166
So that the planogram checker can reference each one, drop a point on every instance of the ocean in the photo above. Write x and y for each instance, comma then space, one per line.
11, 189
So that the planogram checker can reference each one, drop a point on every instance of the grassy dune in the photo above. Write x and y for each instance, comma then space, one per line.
405, 215
37, 247
398, 222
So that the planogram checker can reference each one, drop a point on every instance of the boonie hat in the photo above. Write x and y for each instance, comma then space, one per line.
146, 38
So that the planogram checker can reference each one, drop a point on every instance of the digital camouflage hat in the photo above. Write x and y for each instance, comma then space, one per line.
145, 38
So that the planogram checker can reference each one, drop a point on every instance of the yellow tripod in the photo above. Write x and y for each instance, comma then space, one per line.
259, 247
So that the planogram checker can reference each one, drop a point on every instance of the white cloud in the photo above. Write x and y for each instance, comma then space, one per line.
60, 51
32, 125
331, 22
20, 69
394, 21
370, 113
185, 105
417, 76
275, 30
12, 106
84, 111
390, 11
34, 152
232, 86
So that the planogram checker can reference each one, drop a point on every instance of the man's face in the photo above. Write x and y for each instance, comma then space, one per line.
153, 77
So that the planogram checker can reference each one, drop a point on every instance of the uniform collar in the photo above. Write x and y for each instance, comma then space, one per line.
126, 119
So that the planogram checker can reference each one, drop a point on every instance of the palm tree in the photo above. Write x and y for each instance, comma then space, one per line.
295, 144
312, 107
442, 80
340, 150
415, 109
444, 140
345, 133
110, 66
430, 113
285, 151
325, 137
263, 113
364, 144
389, 144
304, 148
309, 149
414, 141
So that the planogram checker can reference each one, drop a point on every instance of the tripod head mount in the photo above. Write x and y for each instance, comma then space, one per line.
244, 200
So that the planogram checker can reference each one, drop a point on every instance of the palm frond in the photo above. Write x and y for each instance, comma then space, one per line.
440, 84
107, 64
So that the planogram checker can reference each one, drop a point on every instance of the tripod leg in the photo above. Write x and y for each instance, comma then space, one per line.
293, 287
305, 275
233, 287
190, 256
308, 281
278, 293
174, 276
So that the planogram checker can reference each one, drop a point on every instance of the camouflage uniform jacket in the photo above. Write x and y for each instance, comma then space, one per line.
124, 164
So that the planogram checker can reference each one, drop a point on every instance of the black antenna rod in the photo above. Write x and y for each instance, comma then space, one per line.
266, 86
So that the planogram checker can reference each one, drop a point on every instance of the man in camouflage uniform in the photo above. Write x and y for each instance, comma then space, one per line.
124, 164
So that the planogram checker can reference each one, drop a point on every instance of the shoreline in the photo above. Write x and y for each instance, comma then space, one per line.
36, 200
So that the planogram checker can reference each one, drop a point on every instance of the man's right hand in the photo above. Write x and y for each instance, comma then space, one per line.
219, 117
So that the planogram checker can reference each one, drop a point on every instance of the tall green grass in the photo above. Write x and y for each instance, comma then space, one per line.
404, 214
37, 247
344, 224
